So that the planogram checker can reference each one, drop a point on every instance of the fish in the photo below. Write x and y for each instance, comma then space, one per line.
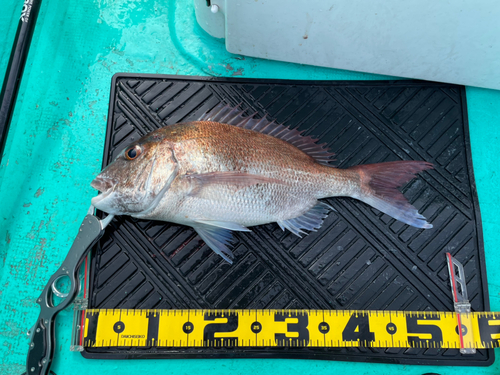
227, 172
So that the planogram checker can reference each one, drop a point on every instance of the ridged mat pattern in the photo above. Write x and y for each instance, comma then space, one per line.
359, 259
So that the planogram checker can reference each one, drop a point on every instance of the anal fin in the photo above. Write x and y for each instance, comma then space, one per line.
311, 220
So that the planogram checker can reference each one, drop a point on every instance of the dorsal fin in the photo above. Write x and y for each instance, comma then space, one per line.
234, 116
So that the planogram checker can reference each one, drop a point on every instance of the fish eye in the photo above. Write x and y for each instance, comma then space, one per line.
133, 152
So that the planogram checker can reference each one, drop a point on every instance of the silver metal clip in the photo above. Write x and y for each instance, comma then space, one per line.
461, 304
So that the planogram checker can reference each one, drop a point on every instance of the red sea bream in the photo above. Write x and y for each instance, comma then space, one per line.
226, 172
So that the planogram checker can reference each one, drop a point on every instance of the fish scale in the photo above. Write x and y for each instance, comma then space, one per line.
228, 172
219, 148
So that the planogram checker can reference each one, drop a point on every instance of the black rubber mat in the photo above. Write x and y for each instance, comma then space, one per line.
359, 259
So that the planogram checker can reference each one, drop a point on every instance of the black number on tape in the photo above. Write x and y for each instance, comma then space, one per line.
416, 328
153, 327
212, 328
391, 328
464, 330
256, 327
358, 328
282, 339
188, 327
119, 327
93, 318
324, 327
487, 328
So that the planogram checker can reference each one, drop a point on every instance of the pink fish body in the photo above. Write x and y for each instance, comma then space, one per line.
227, 172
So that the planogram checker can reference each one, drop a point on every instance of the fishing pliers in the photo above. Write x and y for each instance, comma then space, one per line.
42, 338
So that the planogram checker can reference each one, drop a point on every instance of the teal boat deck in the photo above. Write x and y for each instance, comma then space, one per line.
55, 148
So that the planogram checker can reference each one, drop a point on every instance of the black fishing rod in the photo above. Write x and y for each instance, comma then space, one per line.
15, 68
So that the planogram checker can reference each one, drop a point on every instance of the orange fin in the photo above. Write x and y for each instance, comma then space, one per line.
379, 189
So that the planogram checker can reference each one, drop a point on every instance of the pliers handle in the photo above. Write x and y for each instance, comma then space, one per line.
42, 338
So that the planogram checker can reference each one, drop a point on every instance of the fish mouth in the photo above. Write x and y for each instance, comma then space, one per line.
105, 186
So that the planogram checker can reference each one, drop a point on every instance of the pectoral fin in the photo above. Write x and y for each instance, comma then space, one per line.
217, 239
224, 224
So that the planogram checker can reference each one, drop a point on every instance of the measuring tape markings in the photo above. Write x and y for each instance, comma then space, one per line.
292, 328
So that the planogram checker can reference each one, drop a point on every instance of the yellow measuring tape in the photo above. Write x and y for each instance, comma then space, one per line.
297, 328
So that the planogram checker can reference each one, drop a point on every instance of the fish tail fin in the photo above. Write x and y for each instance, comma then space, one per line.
379, 189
